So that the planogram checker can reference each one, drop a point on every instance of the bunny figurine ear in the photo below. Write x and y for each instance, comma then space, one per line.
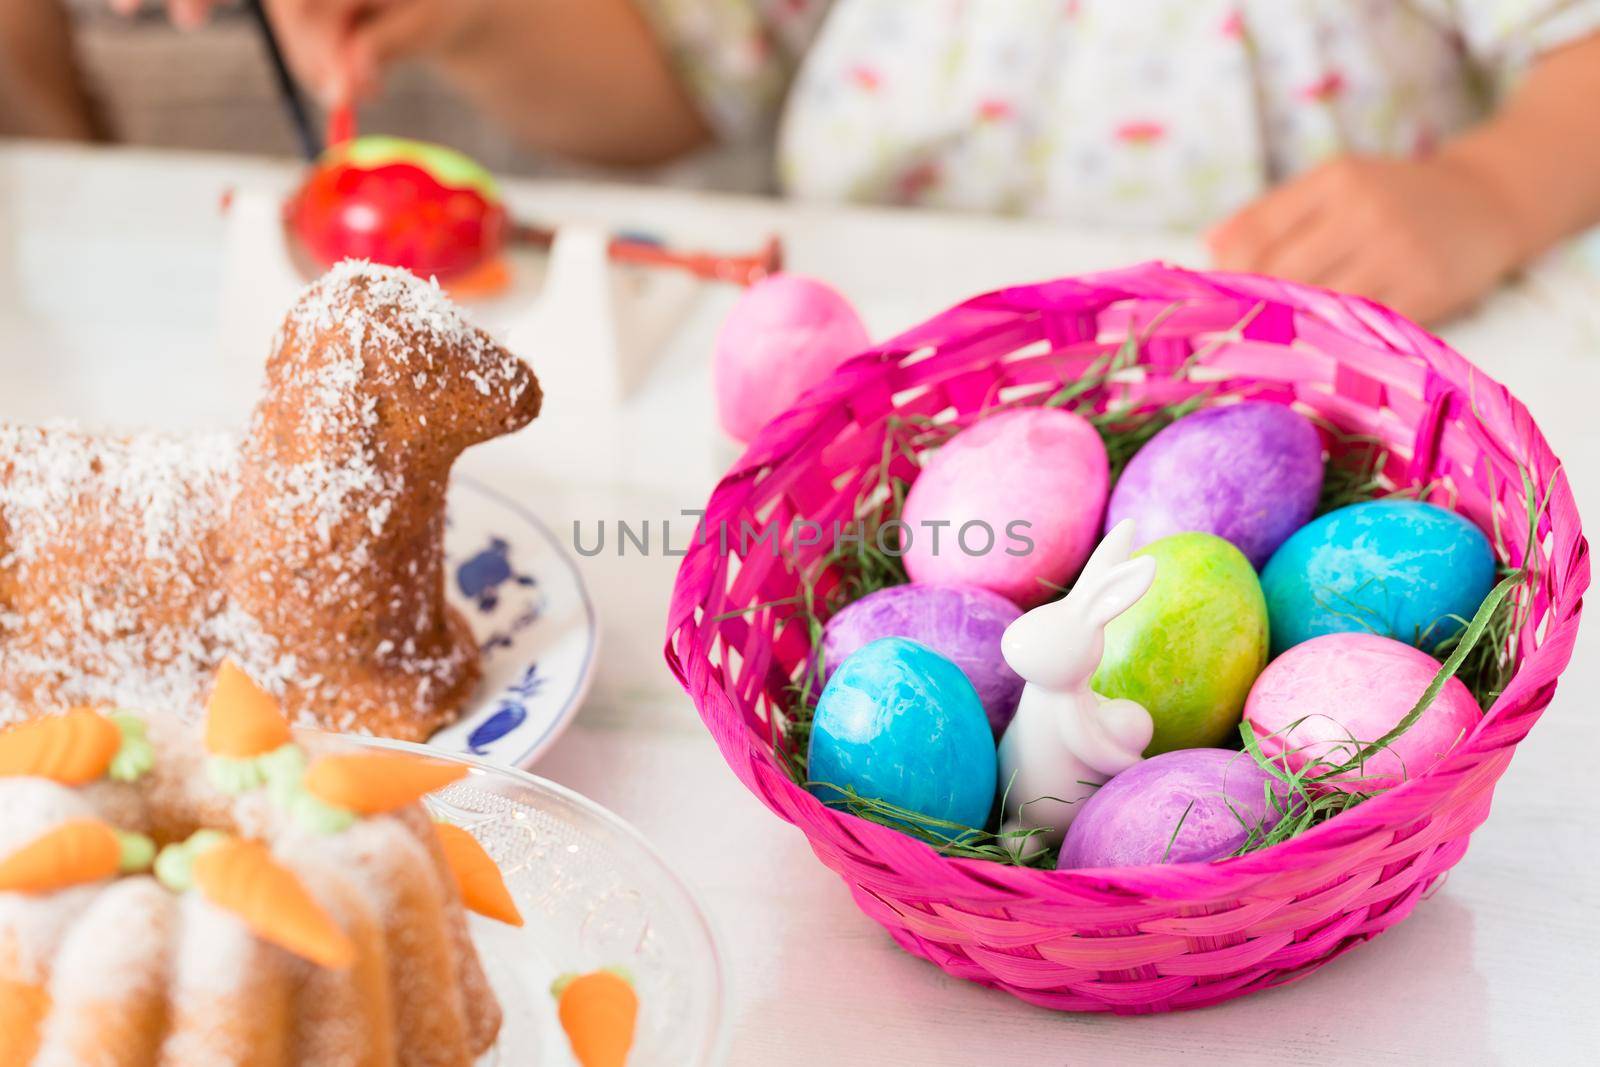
1116, 546
1121, 586
1119, 542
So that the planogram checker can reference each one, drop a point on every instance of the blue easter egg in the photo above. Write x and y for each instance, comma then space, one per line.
1399, 568
898, 722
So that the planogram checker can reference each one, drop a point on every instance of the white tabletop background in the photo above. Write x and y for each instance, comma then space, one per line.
109, 313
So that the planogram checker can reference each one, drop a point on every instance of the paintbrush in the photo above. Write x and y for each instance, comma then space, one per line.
288, 91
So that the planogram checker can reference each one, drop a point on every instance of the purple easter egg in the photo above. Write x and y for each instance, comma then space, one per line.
1250, 473
1178, 807
960, 622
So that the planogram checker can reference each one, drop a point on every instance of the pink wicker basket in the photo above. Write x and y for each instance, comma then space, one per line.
1143, 939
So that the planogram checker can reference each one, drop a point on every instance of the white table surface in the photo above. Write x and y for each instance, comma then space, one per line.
109, 313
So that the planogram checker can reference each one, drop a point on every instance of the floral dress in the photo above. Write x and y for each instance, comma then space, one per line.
1131, 112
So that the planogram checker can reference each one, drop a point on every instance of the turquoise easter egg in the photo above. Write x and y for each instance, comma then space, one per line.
1191, 647
898, 722
1397, 568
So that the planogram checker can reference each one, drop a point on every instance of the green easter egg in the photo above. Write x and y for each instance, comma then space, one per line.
1189, 649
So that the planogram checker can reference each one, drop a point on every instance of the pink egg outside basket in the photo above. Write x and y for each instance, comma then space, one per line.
1157, 938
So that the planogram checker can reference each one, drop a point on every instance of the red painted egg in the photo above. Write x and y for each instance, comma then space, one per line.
404, 203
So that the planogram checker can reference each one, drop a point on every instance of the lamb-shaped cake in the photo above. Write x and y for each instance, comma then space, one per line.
311, 552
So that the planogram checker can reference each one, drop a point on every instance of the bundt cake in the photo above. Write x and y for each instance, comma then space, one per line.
245, 897
311, 551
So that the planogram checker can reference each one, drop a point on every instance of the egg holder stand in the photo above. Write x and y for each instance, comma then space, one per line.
1136, 939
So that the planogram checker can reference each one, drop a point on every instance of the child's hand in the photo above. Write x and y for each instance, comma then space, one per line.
585, 78
1428, 238
340, 48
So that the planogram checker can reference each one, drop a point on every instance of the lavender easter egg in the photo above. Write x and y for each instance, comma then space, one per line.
899, 723
1180, 807
1190, 648
1250, 473
786, 334
960, 622
1324, 699
1400, 568
1012, 504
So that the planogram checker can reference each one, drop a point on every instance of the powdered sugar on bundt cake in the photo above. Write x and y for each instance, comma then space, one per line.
310, 550
342, 940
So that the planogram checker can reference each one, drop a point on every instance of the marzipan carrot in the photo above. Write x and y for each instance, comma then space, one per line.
376, 782
74, 853
73, 749
22, 1007
599, 1011
242, 719
483, 887
242, 877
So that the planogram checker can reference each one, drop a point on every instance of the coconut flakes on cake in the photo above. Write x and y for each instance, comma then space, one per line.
59, 484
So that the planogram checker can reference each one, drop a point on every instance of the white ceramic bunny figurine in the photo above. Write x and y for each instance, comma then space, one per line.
1066, 739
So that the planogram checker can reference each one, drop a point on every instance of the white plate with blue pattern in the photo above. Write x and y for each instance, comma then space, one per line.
535, 622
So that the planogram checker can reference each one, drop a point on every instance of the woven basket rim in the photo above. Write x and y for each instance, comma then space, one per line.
1230, 875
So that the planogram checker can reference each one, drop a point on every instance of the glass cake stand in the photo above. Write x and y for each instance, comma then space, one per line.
593, 893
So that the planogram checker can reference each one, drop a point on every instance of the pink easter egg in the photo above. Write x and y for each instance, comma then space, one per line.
786, 334
1327, 696
1012, 503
